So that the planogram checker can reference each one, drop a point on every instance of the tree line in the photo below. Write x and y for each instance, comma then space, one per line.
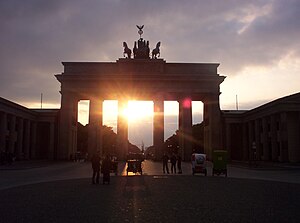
109, 141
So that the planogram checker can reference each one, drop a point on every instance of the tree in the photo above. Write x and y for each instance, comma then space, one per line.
171, 145
150, 152
82, 138
109, 140
198, 135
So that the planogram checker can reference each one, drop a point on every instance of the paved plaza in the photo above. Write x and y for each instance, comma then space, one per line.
62, 192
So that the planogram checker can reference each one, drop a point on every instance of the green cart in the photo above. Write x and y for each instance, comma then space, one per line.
220, 162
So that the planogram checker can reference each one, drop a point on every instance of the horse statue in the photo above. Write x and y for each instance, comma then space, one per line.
156, 51
126, 50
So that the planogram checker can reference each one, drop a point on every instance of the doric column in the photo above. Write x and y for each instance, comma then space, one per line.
265, 139
257, 139
68, 126
122, 130
26, 138
212, 125
228, 138
185, 128
3, 130
251, 141
12, 134
283, 157
293, 129
274, 139
95, 126
158, 127
245, 142
51, 140
19, 150
33, 129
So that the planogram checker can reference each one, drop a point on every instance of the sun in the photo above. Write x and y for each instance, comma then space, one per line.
137, 110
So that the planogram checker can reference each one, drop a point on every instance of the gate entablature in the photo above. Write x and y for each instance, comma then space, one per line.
144, 76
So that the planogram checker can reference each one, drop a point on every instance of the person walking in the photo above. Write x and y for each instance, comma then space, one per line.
96, 167
173, 163
106, 167
165, 160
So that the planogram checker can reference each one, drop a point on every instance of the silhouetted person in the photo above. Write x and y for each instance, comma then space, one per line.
96, 167
165, 159
106, 166
179, 159
173, 163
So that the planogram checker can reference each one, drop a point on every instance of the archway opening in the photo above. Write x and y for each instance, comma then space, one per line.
140, 123
83, 112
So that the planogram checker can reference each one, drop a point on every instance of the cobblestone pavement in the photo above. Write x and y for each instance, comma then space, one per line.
153, 199
62, 192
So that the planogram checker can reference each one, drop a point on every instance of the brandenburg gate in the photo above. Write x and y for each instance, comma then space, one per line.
143, 77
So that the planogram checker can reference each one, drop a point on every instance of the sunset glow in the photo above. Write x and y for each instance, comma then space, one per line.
137, 110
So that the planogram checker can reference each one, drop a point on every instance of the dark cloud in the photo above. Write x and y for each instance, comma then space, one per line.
37, 35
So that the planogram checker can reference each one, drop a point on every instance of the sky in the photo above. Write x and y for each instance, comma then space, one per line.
256, 43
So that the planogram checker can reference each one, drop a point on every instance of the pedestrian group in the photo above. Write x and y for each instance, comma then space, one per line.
173, 160
105, 167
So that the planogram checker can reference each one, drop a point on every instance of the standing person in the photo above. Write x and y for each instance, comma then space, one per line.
173, 163
106, 166
96, 167
179, 159
165, 159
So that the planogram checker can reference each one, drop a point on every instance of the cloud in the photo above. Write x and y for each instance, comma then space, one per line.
37, 35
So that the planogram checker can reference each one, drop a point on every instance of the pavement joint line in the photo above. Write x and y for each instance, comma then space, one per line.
160, 177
